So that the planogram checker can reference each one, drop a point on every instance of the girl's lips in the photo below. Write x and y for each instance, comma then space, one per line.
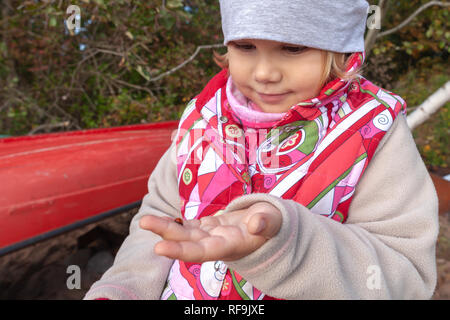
272, 98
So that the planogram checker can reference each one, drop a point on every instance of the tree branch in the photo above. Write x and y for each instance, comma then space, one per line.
429, 106
134, 86
48, 127
197, 51
408, 20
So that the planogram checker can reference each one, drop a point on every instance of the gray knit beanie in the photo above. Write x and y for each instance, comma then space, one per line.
337, 25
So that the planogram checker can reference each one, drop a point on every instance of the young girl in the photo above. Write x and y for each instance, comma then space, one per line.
294, 176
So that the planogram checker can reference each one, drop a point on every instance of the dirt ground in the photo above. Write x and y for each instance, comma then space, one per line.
40, 272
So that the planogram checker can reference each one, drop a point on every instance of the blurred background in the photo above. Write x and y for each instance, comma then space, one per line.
136, 62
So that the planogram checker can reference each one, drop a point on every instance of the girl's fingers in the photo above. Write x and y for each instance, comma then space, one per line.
168, 229
207, 249
265, 222
256, 224
225, 237
223, 243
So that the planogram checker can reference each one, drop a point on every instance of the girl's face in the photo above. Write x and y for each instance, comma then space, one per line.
275, 75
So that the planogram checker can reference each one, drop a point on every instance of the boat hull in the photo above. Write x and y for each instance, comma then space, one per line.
55, 182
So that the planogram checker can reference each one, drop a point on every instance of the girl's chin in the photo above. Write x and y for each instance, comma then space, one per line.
280, 107
275, 108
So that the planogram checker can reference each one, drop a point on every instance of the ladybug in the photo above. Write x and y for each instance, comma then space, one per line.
179, 221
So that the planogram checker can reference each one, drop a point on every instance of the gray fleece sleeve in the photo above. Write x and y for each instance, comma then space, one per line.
385, 250
137, 272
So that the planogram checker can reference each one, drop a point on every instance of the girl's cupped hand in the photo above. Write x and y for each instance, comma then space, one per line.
226, 237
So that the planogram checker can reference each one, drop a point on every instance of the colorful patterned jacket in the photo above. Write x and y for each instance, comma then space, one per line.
315, 156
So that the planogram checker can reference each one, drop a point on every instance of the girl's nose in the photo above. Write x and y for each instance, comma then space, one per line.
266, 71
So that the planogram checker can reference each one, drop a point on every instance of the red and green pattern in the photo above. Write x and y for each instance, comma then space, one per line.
315, 156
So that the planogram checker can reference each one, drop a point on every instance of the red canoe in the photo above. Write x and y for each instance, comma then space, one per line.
53, 183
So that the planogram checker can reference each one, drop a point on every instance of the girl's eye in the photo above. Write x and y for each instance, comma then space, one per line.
294, 49
244, 46
289, 49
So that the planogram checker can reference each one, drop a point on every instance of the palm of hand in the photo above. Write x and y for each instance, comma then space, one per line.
226, 237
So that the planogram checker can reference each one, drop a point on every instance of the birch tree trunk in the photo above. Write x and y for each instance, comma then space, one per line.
429, 106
